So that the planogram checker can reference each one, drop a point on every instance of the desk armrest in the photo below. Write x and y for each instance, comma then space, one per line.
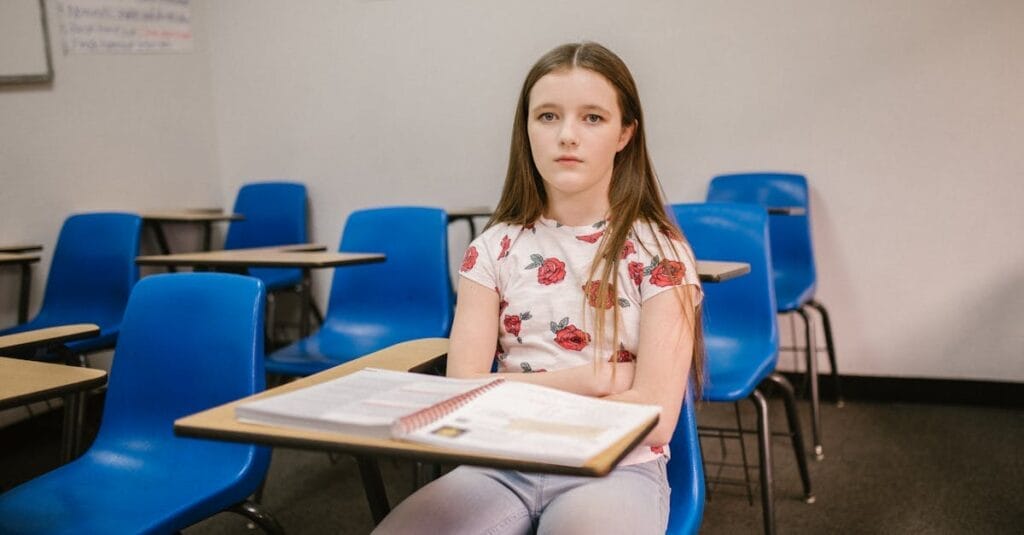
412, 356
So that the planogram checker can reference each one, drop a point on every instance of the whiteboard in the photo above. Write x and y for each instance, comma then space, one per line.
24, 43
126, 26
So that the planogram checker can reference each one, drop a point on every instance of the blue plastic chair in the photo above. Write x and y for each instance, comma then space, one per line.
685, 475
91, 275
275, 214
792, 262
373, 306
740, 326
191, 341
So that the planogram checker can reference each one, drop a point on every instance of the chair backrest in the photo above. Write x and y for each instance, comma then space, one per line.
686, 474
93, 269
741, 310
275, 214
189, 341
412, 288
792, 249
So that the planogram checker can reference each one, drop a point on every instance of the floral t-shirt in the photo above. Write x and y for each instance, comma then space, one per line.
540, 273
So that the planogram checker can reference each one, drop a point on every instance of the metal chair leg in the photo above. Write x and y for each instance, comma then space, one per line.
795, 433
812, 374
258, 515
829, 347
743, 453
764, 451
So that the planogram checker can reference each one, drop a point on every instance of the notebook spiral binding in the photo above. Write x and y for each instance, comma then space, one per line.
411, 422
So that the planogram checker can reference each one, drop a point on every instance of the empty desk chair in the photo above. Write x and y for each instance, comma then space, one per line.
190, 342
373, 306
792, 263
91, 275
740, 326
275, 213
685, 475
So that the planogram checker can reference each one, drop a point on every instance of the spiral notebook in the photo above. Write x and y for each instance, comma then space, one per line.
489, 416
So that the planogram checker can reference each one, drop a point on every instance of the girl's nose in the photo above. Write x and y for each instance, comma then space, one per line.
567, 137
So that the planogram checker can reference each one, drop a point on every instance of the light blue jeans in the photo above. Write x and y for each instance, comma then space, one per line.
632, 499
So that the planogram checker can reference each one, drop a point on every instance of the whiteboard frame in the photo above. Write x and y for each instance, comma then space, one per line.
35, 78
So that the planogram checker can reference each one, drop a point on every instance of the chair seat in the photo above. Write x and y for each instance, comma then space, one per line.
276, 279
139, 494
735, 369
792, 292
339, 341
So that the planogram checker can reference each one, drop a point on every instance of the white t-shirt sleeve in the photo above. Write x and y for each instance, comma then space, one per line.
667, 261
480, 263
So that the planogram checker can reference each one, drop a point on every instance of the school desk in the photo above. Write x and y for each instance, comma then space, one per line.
786, 210
468, 215
415, 356
26, 381
25, 260
291, 256
204, 217
21, 248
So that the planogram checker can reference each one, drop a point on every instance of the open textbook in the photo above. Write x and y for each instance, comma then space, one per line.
489, 416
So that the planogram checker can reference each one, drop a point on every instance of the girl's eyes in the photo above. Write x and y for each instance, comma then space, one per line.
590, 118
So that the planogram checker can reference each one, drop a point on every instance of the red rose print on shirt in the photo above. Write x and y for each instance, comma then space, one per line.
622, 355
551, 270
502, 306
505, 244
667, 273
591, 238
636, 272
514, 322
628, 249
591, 288
660, 450
568, 336
469, 260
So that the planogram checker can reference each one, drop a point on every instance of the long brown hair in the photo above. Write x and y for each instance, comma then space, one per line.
634, 194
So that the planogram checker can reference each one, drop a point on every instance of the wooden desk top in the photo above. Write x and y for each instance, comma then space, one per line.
473, 211
714, 271
417, 355
24, 381
199, 215
47, 337
12, 258
787, 210
21, 248
262, 257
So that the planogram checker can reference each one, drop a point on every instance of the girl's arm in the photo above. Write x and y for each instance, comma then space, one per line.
663, 359
474, 338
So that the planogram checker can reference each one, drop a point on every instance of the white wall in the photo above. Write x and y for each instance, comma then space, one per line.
906, 116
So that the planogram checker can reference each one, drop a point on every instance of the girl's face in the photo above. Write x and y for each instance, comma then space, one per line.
575, 129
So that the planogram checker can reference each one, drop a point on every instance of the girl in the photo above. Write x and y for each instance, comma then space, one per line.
569, 281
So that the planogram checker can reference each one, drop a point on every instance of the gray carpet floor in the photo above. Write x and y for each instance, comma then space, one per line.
888, 468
